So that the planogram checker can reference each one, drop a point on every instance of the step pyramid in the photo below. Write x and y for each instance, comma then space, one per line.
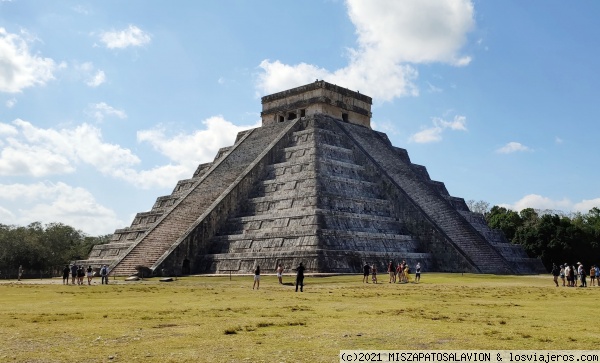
314, 184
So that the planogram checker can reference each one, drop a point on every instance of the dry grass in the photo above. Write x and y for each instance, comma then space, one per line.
212, 319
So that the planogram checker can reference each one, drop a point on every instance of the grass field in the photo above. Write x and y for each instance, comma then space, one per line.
213, 319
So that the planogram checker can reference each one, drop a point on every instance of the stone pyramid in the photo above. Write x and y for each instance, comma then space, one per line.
314, 184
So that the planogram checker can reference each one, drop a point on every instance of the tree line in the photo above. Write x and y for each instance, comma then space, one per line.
42, 250
553, 236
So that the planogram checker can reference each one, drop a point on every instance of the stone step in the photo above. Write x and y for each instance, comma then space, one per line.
198, 198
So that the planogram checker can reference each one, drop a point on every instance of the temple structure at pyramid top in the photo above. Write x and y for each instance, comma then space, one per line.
319, 97
314, 184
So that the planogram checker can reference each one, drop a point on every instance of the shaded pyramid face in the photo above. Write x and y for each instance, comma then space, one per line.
320, 203
315, 190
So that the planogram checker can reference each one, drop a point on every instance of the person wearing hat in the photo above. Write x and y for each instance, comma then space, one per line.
581, 273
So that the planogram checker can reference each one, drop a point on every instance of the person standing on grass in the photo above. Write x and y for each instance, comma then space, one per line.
392, 272
366, 270
256, 277
592, 275
104, 274
555, 273
562, 274
80, 274
20, 273
374, 273
300, 277
280, 274
66, 271
90, 274
418, 272
581, 272
399, 273
73, 274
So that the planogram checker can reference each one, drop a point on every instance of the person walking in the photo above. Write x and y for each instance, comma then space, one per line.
418, 272
66, 271
256, 278
104, 274
366, 271
300, 277
392, 272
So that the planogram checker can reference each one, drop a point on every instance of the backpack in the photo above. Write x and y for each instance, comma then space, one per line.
103, 271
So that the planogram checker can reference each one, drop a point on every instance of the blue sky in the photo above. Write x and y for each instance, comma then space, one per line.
104, 105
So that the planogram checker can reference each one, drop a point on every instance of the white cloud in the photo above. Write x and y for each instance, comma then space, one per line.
130, 37
40, 152
56, 202
19, 69
32, 151
536, 201
512, 147
11, 103
585, 205
101, 110
434, 133
187, 150
92, 77
391, 36
433, 89
97, 79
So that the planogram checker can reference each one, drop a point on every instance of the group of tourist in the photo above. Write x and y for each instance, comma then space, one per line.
398, 273
79, 272
570, 274
299, 276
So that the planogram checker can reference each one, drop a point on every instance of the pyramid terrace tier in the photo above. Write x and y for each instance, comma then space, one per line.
322, 260
258, 241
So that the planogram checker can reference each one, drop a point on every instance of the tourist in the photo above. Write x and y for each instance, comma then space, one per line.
80, 275
90, 274
392, 272
73, 273
374, 274
256, 278
104, 274
406, 273
366, 271
418, 273
20, 273
562, 274
571, 276
66, 271
399, 275
581, 273
598, 275
555, 273
593, 275
300, 277
280, 274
